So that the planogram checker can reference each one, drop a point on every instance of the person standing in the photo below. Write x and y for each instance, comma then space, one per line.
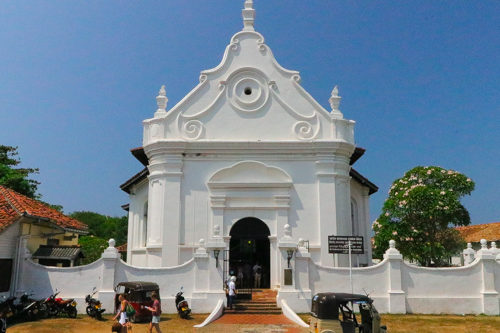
231, 292
3, 322
156, 312
122, 313
257, 275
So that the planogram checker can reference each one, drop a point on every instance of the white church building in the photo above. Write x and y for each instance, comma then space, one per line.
248, 168
249, 165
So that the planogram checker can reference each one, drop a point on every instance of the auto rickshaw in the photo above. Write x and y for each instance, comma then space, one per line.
138, 294
331, 312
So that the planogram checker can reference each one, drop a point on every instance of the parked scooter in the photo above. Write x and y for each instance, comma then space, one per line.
59, 305
94, 307
182, 305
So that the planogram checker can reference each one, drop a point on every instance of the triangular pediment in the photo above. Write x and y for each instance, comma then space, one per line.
248, 97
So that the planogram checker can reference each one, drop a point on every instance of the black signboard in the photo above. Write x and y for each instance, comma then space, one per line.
340, 244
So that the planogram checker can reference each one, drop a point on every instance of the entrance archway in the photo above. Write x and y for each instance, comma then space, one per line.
248, 246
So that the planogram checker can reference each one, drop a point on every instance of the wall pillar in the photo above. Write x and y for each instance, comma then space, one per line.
397, 297
489, 295
110, 258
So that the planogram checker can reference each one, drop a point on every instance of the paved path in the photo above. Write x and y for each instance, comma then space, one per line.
253, 323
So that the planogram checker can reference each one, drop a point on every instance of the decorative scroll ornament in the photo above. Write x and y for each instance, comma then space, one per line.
192, 129
304, 130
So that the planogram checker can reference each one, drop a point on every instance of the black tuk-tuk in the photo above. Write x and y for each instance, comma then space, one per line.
138, 294
331, 312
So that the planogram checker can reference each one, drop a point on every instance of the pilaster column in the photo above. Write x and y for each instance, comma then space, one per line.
334, 204
397, 297
164, 211
218, 203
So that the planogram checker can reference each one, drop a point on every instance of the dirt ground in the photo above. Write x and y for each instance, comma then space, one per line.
172, 323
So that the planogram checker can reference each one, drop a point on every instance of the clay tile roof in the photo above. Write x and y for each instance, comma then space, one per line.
474, 233
13, 205
122, 248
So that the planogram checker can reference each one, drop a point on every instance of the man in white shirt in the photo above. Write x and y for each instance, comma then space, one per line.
231, 292
257, 275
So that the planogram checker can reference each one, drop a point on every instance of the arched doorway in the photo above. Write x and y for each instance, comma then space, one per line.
248, 246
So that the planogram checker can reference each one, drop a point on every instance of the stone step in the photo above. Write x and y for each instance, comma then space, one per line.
234, 311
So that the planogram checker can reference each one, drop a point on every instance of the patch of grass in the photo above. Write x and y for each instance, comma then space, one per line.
435, 323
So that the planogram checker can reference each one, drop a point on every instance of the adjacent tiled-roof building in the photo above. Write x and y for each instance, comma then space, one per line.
474, 233
14, 205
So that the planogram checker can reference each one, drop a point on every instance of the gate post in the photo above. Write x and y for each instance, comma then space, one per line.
489, 296
397, 297
109, 257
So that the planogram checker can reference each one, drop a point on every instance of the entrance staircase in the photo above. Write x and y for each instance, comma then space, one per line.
263, 302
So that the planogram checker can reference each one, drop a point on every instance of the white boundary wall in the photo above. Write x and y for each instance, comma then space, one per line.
398, 287
108, 271
395, 286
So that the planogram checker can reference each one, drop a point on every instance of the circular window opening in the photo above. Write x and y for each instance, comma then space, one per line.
248, 91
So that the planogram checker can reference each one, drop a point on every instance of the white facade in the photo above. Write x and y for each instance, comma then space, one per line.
248, 141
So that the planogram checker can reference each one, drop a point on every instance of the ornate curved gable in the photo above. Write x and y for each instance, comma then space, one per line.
247, 97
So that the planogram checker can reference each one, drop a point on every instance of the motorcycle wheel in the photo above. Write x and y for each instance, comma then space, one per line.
53, 311
133, 319
71, 312
43, 311
90, 311
98, 316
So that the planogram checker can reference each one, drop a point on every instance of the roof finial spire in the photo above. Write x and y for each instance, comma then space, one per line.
248, 14
161, 101
335, 101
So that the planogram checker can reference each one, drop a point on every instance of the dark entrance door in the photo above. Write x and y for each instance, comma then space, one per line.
249, 246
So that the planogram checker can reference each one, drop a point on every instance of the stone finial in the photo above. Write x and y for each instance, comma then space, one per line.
288, 230
494, 249
216, 230
484, 244
248, 14
392, 252
469, 254
335, 99
201, 250
161, 101
111, 252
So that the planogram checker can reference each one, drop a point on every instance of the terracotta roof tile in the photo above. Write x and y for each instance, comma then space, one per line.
474, 233
14, 205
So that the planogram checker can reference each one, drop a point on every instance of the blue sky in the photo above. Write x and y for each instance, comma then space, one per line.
421, 79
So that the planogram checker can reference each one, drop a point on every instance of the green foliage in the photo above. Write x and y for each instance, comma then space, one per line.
419, 213
92, 247
16, 178
103, 226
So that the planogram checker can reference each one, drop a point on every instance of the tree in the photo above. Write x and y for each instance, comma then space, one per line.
419, 213
92, 247
101, 229
104, 226
16, 178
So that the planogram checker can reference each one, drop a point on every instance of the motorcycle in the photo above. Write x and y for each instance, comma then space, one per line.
59, 305
94, 308
182, 305
32, 309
